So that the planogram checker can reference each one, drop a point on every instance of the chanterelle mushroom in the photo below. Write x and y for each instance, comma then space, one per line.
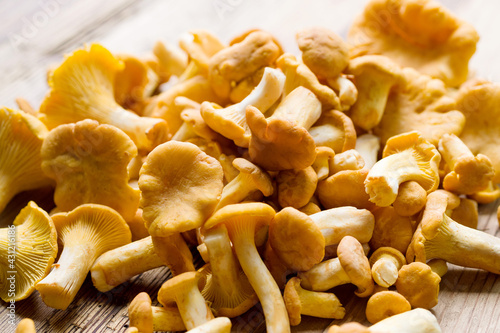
419, 285
180, 188
85, 233
385, 304
89, 163
419, 34
82, 87
34, 237
21, 136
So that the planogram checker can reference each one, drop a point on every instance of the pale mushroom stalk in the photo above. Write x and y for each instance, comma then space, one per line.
121, 264
216, 325
438, 266
368, 146
413, 321
347, 91
386, 262
324, 276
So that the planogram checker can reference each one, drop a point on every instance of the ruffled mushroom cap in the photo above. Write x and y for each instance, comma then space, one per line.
391, 229
296, 187
233, 64
419, 285
419, 34
419, 103
35, 237
411, 198
21, 136
323, 51
89, 163
468, 173
385, 304
82, 87
386, 262
180, 188
85, 233
334, 130
296, 239
479, 102
406, 157
355, 263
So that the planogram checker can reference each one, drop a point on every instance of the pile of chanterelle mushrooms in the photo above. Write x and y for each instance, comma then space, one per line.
358, 162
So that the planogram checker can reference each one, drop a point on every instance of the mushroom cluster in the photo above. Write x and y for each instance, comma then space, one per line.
357, 163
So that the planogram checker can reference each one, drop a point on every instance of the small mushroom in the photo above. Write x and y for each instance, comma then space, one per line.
250, 179
299, 302
82, 87
281, 141
411, 198
419, 285
347, 160
184, 291
85, 233
321, 165
406, 157
243, 221
194, 125
180, 186
351, 266
385, 304
89, 163
386, 263
375, 75
34, 237
334, 130
147, 318
345, 89
26, 325
391, 229
368, 146
296, 187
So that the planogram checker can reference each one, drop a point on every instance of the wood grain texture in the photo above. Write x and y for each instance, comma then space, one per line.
34, 36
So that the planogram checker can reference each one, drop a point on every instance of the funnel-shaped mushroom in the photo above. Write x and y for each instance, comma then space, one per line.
385, 304
231, 121
281, 141
227, 287
89, 163
386, 262
242, 222
184, 291
299, 302
82, 87
34, 237
335, 130
147, 318
419, 34
419, 285
351, 266
86, 232
180, 187
21, 136
406, 157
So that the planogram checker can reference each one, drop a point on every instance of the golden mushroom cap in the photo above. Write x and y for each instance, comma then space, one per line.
355, 263
385, 304
419, 285
26, 325
140, 313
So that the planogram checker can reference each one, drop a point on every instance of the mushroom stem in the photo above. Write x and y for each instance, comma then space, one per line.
300, 106
373, 101
193, 308
320, 305
438, 266
385, 270
174, 252
453, 149
184, 133
216, 325
324, 276
261, 279
166, 319
119, 265
59, 288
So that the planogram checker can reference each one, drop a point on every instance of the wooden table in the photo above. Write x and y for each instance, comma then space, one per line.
35, 34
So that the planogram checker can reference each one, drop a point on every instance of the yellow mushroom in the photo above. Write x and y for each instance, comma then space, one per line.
299, 302
216, 325
419, 285
386, 262
368, 146
200, 46
147, 318
351, 266
26, 325
231, 121
85, 233
466, 213
468, 173
250, 179
180, 186
411, 198
276, 267
243, 221
28, 248
227, 288
391, 229
406, 157
174, 252
296, 187
21, 136
184, 291
488, 195
26, 107
122, 263
345, 89
82, 87
321, 165
385, 304
347, 160
89, 163
335, 130
171, 61
281, 141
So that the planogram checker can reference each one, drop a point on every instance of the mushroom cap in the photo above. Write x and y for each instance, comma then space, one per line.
384, 273
489, 195
278, 144
296, 239
292, 300
321, 165
466, 213
375, 66
26, 325
419, 34
335, 130
390, 251
21, 137
180, 187
253, 213
355, 263
259, 177
411, 198
89, 163
323, 51
178, 285
36, 249
140, 313
296, 187
385, 304
391, 229
352, 327
419, 285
